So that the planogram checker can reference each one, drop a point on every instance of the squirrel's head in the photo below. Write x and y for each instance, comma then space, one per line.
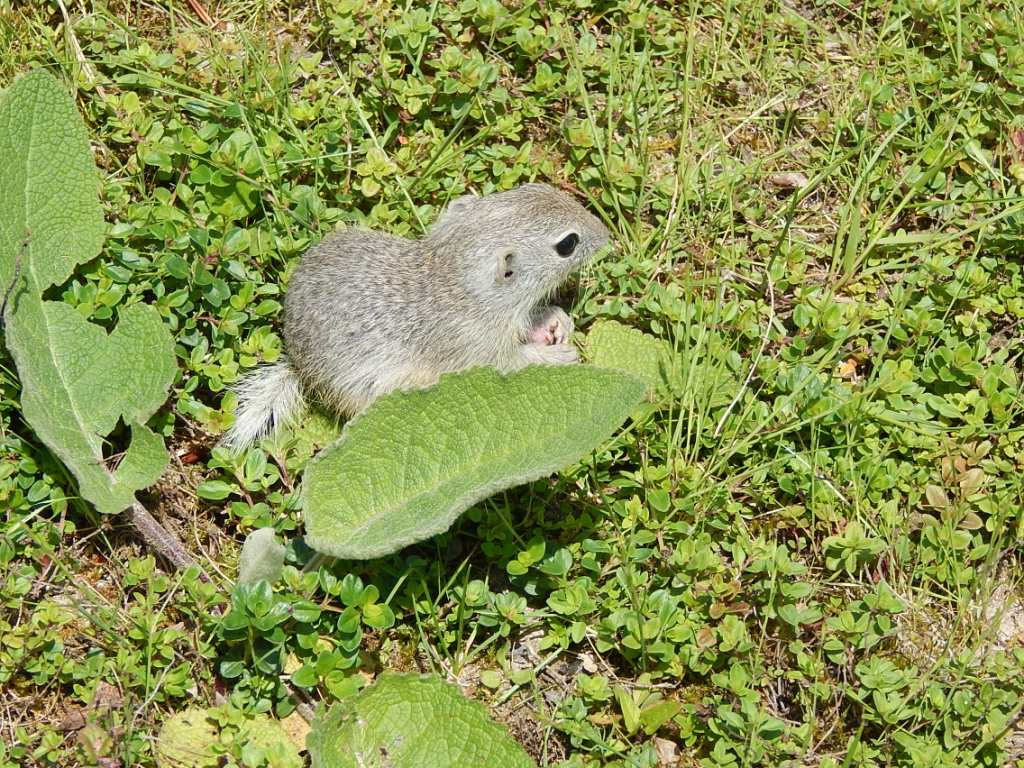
515, 248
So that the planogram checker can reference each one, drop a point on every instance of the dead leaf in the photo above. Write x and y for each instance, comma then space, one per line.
971, 481
848, 369
526, 652
107, 696
705, 638
1017, 137
788, 180
948, 471
971, 522
297, 728
73, 717
936, 497
667, 751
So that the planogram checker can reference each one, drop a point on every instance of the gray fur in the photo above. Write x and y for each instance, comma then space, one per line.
367, 313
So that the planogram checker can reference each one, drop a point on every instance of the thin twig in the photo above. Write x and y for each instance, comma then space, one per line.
87, 70
201, 12
161, 540
306, 710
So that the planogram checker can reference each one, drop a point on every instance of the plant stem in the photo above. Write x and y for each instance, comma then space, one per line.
162, 541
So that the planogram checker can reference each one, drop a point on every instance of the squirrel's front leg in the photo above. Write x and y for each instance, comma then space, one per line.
550, 325
548, 339
549, 354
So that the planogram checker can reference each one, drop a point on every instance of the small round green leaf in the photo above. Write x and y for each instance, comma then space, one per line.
620, 347
214, 490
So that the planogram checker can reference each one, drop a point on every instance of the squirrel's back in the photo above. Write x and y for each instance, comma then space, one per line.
356, 296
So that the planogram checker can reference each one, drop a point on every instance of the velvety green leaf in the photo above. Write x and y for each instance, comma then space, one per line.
407, 468
630, 709
187, 739
77, 380
48, 187
202, 738
621, 347
411, 720
262, 557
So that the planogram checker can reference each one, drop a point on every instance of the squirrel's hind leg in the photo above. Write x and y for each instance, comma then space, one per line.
356, 397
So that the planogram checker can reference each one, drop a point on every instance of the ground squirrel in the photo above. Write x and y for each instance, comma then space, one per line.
367, 313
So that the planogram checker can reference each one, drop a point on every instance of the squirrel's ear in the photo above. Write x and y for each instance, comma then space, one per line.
504, 269
460, 204
455, 211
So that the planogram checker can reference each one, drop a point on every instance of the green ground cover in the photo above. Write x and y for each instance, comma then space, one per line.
808, 555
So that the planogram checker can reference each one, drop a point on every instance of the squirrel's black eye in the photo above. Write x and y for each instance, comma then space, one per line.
567, 244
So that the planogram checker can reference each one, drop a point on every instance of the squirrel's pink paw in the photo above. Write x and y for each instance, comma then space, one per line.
552, 326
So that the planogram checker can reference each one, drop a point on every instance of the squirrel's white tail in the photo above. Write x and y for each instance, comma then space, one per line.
268, 398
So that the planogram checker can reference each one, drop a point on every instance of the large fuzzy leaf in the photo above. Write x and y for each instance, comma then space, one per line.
410, 720
262, 557
611, 344
407, 468
77, 380
205, 738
